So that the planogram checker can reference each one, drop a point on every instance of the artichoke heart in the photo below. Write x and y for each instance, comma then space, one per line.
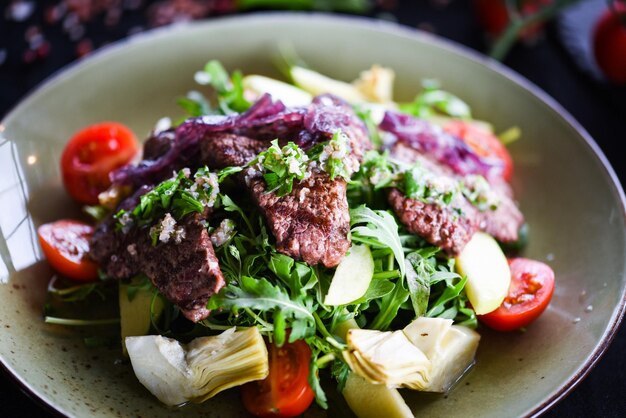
430, 354
176, 373
376, 84
450, 349
386, 358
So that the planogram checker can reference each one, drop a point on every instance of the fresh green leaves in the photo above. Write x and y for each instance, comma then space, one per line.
282, 166
229, 89
378, 229
432, 101
229, 92
261, 295
194, 104
178, 197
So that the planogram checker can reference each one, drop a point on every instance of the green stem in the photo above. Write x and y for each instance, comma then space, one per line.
390, 261
324, 360
80, 322
320, 326
504, 43
386, 275
258, 318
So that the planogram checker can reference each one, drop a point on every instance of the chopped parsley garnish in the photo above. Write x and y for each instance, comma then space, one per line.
479, 193
333, 156
434, 101
281, 166
423, 185
176, 197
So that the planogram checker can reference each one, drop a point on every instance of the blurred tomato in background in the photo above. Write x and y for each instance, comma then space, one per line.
609, 42
495, 15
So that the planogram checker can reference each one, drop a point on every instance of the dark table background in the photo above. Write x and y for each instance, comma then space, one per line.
28, 56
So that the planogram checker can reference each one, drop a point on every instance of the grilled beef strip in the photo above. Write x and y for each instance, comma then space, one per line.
452, 226
186, 272
312, 222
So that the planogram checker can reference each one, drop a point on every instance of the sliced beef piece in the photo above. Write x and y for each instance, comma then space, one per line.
224, 150
312, 222
187, 273
505, 222
110, 248
449, 227
458, 224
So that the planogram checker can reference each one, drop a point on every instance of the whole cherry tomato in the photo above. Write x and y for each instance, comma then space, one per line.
483, 142
286, 391
91, 154
532, 285
65, 244
609, 43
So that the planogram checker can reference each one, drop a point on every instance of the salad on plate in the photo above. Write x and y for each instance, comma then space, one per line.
281, 234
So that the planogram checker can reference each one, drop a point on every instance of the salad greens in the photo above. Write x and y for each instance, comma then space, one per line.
284, 297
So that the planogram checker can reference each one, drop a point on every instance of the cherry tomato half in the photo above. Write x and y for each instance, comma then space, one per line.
91, 155
609, 43
286, 391
532, 285
483, 142
65, 244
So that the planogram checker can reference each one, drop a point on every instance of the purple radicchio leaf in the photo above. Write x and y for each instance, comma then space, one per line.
432, 141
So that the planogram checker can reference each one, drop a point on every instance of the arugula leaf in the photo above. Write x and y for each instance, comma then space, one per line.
261, 295
230, 91
432, 100
377, 289
418, 281
194, 104
380, 229
389, 306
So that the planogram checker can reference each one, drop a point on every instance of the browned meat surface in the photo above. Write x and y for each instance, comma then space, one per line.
451, 227
311, 223
187, 273
504, 222
224, 150
439, 225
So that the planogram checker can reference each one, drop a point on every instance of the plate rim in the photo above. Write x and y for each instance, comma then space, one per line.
383, 26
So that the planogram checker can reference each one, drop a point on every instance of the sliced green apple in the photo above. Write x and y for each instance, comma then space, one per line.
487, 271
316, 83
352, 277
368, 400
290, 95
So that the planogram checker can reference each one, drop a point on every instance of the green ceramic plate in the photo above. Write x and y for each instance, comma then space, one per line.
567, 191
